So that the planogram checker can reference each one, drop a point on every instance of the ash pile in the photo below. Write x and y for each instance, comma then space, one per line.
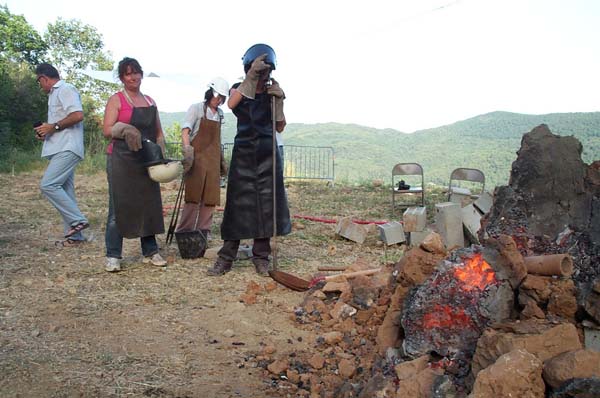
517, 315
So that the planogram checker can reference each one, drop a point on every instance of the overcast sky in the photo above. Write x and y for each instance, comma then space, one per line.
401, 64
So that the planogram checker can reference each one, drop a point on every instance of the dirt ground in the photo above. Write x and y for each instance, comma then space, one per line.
70, 329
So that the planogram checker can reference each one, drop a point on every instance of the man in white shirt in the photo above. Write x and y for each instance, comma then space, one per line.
63, 147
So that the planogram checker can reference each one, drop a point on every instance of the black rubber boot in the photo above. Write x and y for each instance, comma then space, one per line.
261, 266
219, 268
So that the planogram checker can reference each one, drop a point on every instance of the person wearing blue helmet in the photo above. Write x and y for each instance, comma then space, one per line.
257, 102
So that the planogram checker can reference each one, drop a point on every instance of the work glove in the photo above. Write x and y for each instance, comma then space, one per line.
278, 96
188, 157
248, 87
129, 133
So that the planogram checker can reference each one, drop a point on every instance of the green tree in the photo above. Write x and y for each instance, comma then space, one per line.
21, 101
19, 41
75, 46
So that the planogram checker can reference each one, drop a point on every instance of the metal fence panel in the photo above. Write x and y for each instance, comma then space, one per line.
302, 162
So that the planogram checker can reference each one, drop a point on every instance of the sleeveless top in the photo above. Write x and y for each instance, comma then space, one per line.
125, 114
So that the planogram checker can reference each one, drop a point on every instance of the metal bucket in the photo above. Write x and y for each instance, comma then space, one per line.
191, 244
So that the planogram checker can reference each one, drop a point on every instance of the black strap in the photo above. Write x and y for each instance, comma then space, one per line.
175, 215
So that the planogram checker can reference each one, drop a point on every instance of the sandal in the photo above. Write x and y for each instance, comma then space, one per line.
76, 229
69, 242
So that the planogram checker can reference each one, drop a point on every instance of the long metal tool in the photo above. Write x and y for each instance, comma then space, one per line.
175, 215
275, 265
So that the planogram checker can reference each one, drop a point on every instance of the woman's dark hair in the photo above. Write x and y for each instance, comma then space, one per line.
129, 63
208, 95
47, 70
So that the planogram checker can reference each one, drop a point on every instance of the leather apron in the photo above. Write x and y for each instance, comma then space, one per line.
249, 204
136, 198
202, 181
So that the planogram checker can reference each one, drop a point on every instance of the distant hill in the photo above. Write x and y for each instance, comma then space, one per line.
488, 142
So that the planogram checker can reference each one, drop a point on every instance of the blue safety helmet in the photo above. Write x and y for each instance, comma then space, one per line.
256, 51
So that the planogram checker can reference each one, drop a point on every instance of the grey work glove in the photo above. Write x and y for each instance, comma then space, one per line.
278, 97
188, 157
129, 133
248, 87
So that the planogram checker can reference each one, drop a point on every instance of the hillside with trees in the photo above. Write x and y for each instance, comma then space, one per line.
488, 142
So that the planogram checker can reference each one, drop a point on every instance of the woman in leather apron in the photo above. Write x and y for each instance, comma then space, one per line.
135, 205
249, 203
201, 139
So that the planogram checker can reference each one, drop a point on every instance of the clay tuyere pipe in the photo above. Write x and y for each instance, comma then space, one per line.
550, 264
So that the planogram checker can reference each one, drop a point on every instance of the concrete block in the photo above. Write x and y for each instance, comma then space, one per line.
462, 196
448, 222
391, 233
352, 231
415, 238
415, 219
484, 202
471, 219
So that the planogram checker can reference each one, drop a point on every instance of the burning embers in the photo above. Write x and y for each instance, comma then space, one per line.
475, 273
447, 314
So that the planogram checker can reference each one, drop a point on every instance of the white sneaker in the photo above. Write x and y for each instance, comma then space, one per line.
156, 259
112, 264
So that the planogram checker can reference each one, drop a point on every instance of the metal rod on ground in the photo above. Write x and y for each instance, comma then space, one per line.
274, 182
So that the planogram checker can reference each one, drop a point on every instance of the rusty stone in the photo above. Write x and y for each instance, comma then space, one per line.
334, 287
517, 373
253, 288
347, 368
269, 349
416, 266
535, 287
433, 244
569, 365
342, 310
510, 258
419, 386
248, 299
378, 387
562, 301
293, 376
316, 361
553, 341
388, 333
362, 316
409, 369
278, 366
270, 286
364, 293
331, 338
531, 310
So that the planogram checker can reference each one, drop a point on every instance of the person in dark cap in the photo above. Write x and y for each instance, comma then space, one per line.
257, 102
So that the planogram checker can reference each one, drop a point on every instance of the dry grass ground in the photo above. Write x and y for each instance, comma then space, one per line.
70, 329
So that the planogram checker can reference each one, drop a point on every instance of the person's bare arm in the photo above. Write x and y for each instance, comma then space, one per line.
235, 97
185, 136
111, 115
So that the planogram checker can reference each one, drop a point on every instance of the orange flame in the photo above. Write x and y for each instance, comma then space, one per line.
475, 273
446, 317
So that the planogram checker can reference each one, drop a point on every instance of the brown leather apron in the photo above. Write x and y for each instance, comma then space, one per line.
137, 200
202, 181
